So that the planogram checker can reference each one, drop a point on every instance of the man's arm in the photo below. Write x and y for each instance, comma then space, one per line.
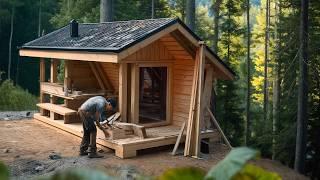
98, 115
103, 129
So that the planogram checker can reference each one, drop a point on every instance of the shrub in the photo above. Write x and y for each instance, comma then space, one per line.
14, 98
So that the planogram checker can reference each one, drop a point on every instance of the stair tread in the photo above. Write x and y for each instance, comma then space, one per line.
57, 108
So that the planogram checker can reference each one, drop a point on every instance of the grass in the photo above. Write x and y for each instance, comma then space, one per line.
14, 98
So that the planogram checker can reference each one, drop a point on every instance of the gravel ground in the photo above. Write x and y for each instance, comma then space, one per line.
32, 149
16, 115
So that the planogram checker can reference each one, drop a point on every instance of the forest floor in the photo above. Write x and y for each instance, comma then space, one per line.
27, 145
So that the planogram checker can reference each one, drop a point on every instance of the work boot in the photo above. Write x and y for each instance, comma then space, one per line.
92, 151
83, 153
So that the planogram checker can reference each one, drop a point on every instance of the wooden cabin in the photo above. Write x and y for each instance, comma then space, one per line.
154, 68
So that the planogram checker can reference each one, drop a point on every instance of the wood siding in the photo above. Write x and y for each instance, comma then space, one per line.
182, 86
82, 76
111, 71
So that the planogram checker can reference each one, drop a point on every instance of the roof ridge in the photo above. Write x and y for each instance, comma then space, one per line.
171, 18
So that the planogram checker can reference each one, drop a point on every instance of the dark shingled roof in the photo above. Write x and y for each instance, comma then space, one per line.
107, 37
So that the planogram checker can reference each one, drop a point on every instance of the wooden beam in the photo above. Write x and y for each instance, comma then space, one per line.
123, 91
53, 79
103, 76
96, 75
192, 106
67, 80
184, 43
219, 128
71, 55
42, 77
227, 75
178, 139
42, 70
200, 109
53, 71
134, 94
207, 91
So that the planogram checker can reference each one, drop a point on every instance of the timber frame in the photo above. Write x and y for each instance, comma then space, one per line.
191, 70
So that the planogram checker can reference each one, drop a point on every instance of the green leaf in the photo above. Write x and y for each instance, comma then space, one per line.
252, 172
4, 173
186, 173
231, 164
79, 174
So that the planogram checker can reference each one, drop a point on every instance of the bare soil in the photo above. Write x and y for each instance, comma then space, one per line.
25, 146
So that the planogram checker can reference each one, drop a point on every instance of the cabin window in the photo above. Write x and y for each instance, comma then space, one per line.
153, 84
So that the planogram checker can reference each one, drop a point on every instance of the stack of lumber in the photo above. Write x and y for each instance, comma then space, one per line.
200, 101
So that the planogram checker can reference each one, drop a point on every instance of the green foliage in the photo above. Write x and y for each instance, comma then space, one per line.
186, 173
232, 163
81, 10
15, 98
252, 172
4, 173
79, 174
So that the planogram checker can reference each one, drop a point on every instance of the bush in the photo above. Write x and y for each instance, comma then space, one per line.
14, 98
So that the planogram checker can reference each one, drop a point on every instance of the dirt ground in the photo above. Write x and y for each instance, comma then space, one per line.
25, 146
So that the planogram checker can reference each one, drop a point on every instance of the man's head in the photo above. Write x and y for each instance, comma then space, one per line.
111, 104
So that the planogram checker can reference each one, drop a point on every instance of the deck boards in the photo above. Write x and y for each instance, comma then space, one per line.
126, 148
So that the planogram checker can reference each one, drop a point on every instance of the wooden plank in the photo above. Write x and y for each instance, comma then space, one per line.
134, 94
123, 91
42, 77
42, 70
206, 97
71, 55
57, 108
97, 75
219, 128
192, 106
178, 139
200, 109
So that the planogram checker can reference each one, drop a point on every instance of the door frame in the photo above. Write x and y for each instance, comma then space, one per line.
135, 87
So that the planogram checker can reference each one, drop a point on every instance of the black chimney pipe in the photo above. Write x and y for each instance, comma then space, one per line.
74, 31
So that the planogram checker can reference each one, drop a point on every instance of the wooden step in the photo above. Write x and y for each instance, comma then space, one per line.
57, 109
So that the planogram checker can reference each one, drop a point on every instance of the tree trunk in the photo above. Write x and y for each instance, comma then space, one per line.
39, 20
248, 120
302, 117
152, 9
216, 10
10, 42
266, 59
276, 83
190, 14
106, 10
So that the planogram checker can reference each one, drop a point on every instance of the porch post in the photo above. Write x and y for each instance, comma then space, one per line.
123, 90
42, 79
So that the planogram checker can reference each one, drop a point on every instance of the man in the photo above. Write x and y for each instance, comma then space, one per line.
90, 112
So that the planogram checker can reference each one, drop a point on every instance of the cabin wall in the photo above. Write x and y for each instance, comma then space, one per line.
182, 87
82, 76
111, 71
181, 77
155, 52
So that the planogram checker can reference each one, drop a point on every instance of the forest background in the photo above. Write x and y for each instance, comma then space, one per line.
266, 42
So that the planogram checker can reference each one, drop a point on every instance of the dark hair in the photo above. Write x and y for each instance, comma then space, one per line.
112, 102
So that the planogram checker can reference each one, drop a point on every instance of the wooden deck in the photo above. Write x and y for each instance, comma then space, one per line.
128, 147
